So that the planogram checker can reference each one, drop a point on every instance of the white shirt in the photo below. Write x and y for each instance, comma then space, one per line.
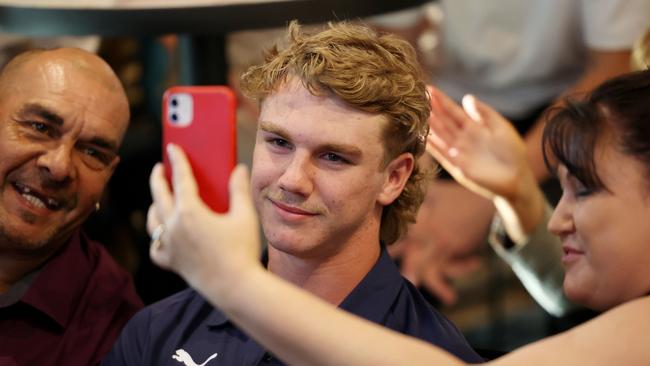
520, 54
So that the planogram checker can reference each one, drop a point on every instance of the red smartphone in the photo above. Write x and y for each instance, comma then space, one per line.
201, 120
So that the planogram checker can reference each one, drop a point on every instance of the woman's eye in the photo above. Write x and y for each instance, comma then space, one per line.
580, 189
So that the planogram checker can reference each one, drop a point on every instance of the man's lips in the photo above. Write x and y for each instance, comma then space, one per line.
37, 198
292, 209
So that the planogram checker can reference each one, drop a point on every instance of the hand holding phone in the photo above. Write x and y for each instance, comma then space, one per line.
201, 120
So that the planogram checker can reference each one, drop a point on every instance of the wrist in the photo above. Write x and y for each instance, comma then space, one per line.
245, 291
224, 288
522, 211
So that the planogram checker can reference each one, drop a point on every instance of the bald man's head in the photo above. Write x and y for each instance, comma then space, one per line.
69, 63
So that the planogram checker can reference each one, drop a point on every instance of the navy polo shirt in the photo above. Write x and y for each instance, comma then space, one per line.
185, 326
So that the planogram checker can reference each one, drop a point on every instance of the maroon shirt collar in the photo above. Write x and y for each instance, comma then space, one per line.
57, 290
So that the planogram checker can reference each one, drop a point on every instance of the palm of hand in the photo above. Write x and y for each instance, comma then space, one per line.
482, 152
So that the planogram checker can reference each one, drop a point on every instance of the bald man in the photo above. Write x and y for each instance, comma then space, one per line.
63, 301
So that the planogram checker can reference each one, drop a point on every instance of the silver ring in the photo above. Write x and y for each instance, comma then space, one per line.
156, 236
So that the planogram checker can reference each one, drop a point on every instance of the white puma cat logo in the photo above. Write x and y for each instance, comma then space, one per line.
184, 357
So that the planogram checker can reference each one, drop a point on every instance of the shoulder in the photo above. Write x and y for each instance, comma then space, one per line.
420, 319
157, 325
110, 284
614, 24
180, 304
429, 317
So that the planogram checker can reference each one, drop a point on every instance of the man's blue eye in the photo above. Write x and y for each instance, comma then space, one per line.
334, 158
280, 143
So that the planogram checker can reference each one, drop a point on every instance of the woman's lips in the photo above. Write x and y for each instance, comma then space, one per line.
571, 254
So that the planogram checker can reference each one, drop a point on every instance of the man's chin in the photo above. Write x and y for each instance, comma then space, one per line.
29, 242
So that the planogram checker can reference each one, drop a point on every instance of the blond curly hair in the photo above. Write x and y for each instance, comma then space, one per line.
372, 72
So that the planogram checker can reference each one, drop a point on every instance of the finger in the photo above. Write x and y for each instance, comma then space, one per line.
443, 155
469, 105
441, 122
463, 266
439, 134
160, 193
152, 219
410, 264
185, 187
158, 253
160, 256
241, 200
441, 287
454, 112
437, 141
489, 115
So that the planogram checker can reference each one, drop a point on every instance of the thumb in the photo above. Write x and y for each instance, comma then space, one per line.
183, 180
241, 200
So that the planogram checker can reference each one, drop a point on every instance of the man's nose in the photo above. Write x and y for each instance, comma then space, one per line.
57, 163
298, 175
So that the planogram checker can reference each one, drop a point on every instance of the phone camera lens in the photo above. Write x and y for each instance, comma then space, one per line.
174, 117
174, 102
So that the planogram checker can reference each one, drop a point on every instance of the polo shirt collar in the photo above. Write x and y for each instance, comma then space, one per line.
60, 284
370, 299
375, 294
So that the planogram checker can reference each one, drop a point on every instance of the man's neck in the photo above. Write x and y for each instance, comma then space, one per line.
330, 277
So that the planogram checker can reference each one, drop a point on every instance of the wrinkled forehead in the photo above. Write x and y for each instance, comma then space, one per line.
69, 88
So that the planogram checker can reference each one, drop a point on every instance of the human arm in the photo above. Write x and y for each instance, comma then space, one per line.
485, 153
219, 259
217, 255
537, 262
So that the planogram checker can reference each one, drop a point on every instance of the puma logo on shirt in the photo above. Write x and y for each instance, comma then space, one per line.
184, 357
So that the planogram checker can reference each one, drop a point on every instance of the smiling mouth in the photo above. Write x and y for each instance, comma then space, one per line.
292, 209
37, 199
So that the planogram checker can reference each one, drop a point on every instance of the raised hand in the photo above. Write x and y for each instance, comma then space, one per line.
200, 245
478, 147
484, 153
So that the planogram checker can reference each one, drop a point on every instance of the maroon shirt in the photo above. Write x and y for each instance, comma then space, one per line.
72, 312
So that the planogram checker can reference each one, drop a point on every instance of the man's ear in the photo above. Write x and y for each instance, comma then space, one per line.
398, 172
